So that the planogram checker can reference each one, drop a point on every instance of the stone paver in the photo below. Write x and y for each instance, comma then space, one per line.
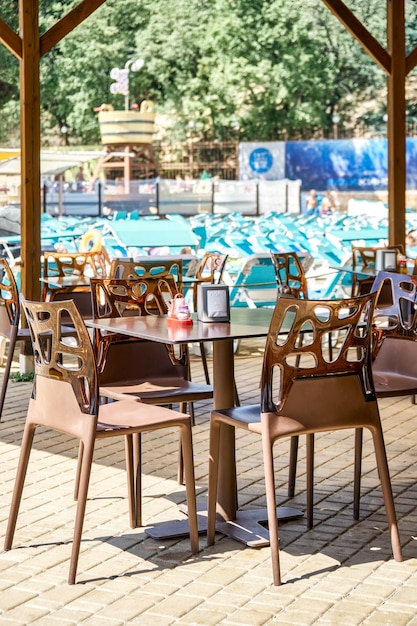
340, 572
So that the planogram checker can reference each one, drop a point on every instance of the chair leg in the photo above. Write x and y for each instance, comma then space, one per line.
26, 447
183, 409
382, 465
137, 478
78, 473
213, 476
81, 505
271, 503
204, 361
130, 480
292, 465
310, 480
7, 369
237, 399
294, 446
187, 447
180, 465
357, 472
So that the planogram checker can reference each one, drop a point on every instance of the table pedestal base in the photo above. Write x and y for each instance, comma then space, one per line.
247, 528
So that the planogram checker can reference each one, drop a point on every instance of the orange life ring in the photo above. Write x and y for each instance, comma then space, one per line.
91, 241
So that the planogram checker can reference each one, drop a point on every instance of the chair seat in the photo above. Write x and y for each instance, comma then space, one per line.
135, 417
248, 416
389, 384
167, 389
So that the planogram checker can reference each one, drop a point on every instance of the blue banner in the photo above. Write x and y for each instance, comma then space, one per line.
346, 164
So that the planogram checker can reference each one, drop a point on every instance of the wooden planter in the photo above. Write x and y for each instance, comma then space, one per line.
127, 127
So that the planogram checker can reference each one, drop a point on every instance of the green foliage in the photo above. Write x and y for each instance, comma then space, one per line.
266, 69
26, 377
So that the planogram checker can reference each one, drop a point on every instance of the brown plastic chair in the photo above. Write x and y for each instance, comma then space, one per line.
292, 282
9, 321
135, 368
365, 258
154, 267
66, 399
395, 314
395, 335
290, 274
317, 395
209, 270
72, 264
394, 351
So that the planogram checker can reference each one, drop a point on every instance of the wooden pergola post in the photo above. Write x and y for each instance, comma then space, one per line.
396, 65
30, 146
396, 122
29, 47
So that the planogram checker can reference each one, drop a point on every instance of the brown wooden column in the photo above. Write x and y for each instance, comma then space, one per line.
30, 149
396, 121
396, 65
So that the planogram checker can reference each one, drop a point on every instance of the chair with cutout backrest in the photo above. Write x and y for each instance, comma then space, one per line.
292, 282
130, 367
316, 395
9, 321
364, 258
65, 398
209, 270
72, 265
136, 369
144, 268
290, 274
394, 351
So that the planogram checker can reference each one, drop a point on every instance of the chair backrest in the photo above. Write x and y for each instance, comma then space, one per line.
297, 346
114, 297
118, 298
255, 284
132, 270
9, 300
290, 274
365, 257
65, 263
395, 313
211, 267
60, 360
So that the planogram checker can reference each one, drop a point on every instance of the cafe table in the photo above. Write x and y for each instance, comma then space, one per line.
245, 526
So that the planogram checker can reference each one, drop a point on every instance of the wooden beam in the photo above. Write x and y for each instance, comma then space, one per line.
396, 122
30, 149
411, 61
10, 39
65, 25
361, 34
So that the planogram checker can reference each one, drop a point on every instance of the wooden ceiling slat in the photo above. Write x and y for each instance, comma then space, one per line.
361, 33
10, 39
65, 25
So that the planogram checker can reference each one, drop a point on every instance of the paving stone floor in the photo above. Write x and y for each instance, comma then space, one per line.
341, 572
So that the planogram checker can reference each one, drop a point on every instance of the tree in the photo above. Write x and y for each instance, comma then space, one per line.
216, 69
268, 68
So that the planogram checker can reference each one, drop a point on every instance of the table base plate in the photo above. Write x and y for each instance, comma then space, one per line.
247, 528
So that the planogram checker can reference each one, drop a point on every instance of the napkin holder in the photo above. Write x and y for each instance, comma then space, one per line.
386, 260
213, 303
